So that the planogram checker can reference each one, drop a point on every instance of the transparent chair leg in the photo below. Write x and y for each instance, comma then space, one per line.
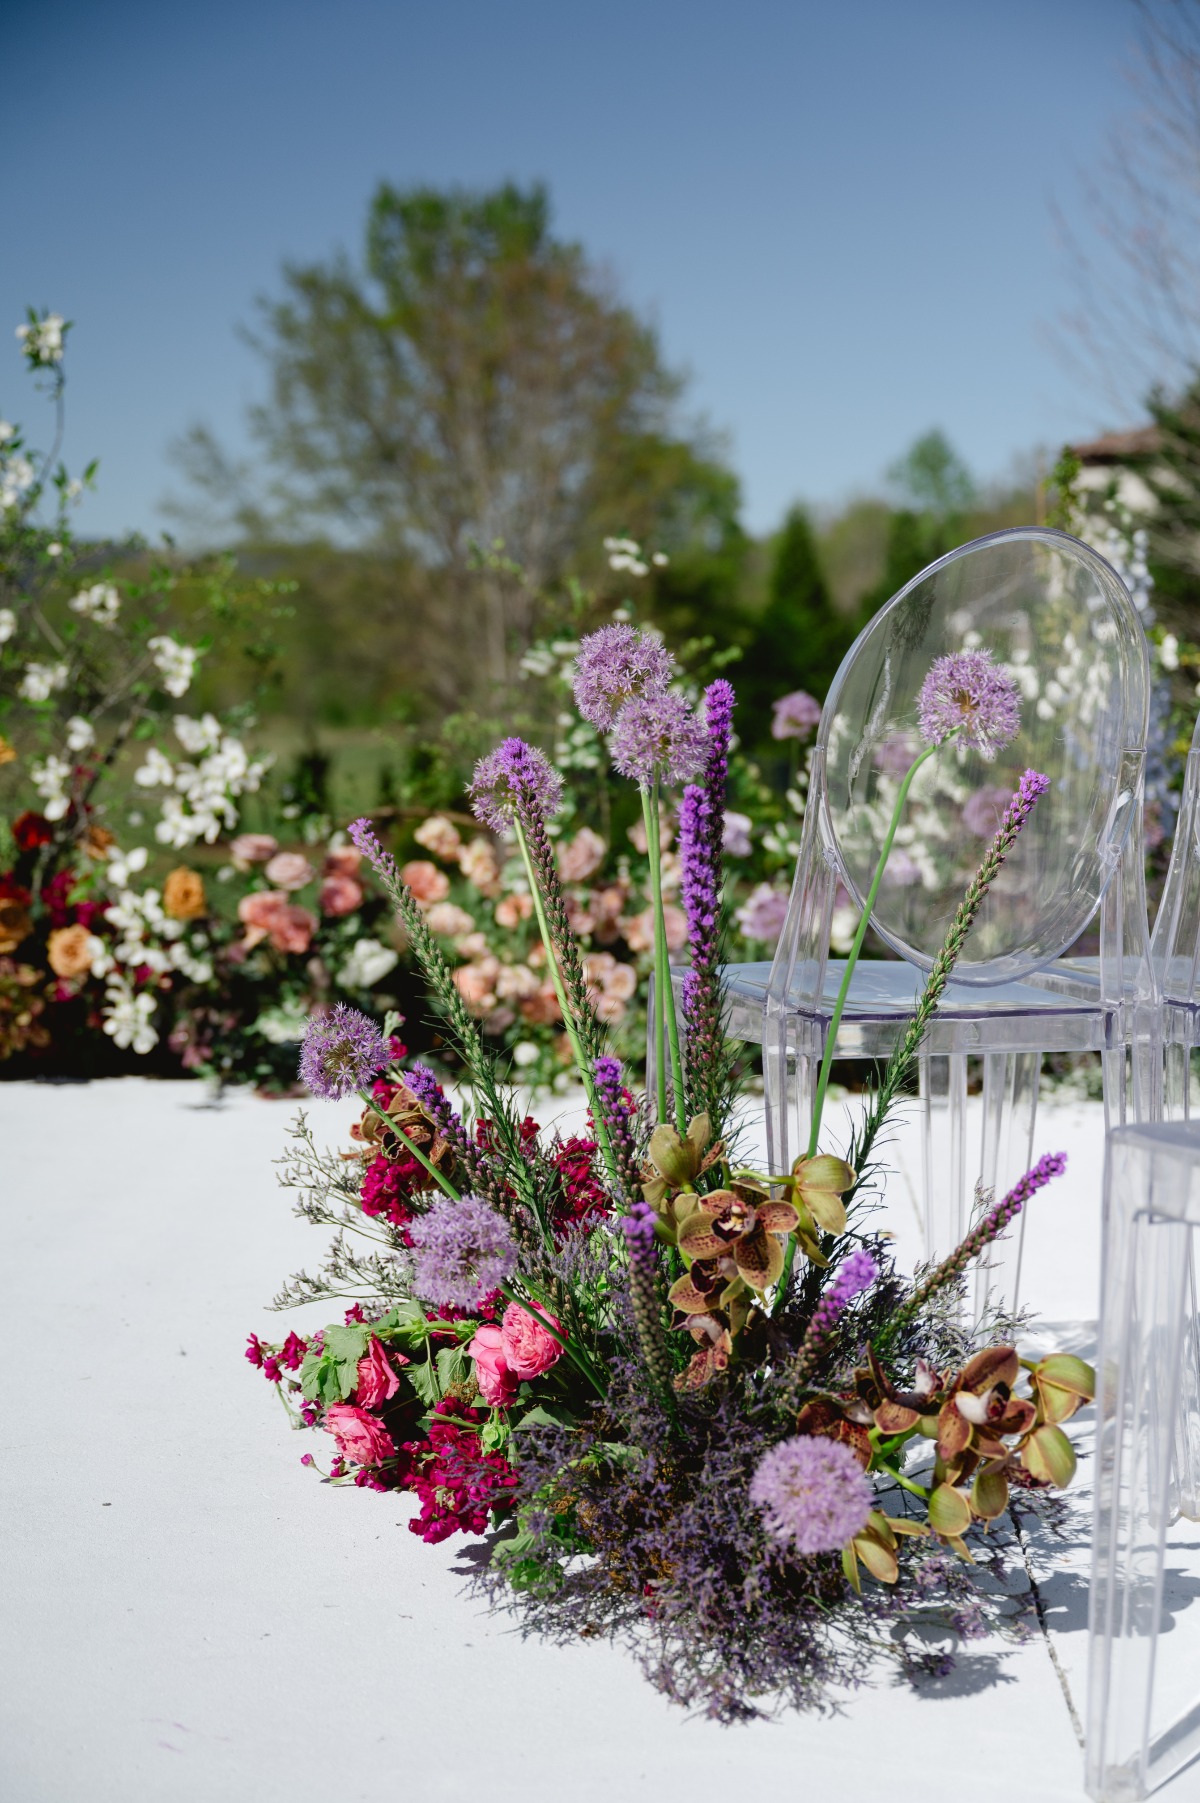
943, 1078
1130, 1748
1185, 1494
1010, 1096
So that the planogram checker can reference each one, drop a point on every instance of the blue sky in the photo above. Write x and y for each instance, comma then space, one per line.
837, 214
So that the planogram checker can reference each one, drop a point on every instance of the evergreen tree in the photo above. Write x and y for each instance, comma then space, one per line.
799, 639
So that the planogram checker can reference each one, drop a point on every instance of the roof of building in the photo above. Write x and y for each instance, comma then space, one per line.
1115, 447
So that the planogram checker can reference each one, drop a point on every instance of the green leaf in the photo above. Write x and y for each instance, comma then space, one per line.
342, 1343
423, 1379
452, 1366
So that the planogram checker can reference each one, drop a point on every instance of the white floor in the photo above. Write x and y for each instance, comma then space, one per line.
188, 1616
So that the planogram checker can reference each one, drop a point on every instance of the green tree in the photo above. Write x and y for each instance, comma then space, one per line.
799, 638
476, 381
936, 490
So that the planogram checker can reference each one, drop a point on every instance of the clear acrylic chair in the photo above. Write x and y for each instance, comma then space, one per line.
1060, 620
1143, 1709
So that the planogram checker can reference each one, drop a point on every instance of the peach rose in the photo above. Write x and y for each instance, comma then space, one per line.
476, 984
449, 921
268, 914
541, 1009
252, 848
427, 882
480, 866
97, 840
340, 894
289, 870
639, 929
183, 894
342, 860
582, 856
528, 1348
377, 1382
515, 981
69, 951
496, 1380
16, 924
513, 909
440, 836
359, 1436
605, 907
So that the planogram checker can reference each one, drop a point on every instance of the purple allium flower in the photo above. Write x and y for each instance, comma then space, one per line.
763, 913
659, 736
515, 778
342, 1051
901, 870
813, 1492
984, 809
795, 715
462, 1251
894, 755
615, 664
965, 693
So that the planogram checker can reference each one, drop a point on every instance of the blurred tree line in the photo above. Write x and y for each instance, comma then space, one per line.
452, 430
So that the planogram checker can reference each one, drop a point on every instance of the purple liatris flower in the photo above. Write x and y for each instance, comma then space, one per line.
462, 1251
615, 664
813, 1493
515, 778
966, 694
857, 1274
342, 1051
659, 737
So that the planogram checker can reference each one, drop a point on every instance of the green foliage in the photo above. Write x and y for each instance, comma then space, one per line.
799, 639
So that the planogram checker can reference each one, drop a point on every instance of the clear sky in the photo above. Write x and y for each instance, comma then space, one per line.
837, 213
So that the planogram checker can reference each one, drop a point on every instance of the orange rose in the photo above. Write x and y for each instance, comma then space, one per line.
16, 923
69, 951
183, 894
427, 882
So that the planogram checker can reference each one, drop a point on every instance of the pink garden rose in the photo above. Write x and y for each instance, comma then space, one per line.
289, 870
268, 914
529, 1349
359, 1436
440, 836
377, 1382
427, 882
342, 860
497, 1381
252, 848
340, 895
582, 856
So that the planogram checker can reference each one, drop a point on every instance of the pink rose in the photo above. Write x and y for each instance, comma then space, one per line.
497, 1383
427, 882
359, 1436
440, 836
340, 894
289, 870
252, 848
268, 914
529, 1349
582, 856
513, 910
377, 1382
342, 860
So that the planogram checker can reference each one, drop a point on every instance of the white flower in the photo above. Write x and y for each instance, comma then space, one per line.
660, 560
122, 865
42, 341
50, 779
17, 477
54, 549
175, 663
193, 966
100, 603
7, 430
41, 680
81, 734
8, 624
1168, 652
100, 956
525, 1052
127, 1017
367, 964
198, 735
157, 770
282, 1026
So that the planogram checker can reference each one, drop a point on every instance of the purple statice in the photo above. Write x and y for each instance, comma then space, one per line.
967, 694
615, 664
342, 1051
795, 715
702, 820
462, 1251
813, 1493
659, 737
516, 778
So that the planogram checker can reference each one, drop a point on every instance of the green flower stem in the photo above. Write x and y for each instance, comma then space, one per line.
583, 1063
439, 1177
844, 990
666, 1021
577, 1358
905, 1483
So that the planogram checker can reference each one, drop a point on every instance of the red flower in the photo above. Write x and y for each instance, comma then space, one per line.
12, 891
458, 1484
30, 830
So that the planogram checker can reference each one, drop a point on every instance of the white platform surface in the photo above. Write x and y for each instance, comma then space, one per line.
189, 1616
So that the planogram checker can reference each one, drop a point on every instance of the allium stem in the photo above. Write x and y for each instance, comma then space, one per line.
666, 1021
585, 1062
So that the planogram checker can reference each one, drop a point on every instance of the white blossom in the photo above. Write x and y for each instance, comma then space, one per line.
367, 964
7, 431
50, 779
8, 624
189, 962
175, 663
128, 1017
81, 734
156, 771
42, 341
204, 802
54, 549
17, 477
122, 865
198, 735
41, 680
282, 1025
101, 603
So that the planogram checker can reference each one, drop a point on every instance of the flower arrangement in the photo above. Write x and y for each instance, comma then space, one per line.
689, 1403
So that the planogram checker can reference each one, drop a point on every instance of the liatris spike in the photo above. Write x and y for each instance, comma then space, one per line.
701, 849
659, 737
462, 1251
966, 694
644, 1286
857, 1274
1050, 1165
615, 664
342, 1051
611, 1096
813, 1493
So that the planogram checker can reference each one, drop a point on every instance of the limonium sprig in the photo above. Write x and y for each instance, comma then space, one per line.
814, 1494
